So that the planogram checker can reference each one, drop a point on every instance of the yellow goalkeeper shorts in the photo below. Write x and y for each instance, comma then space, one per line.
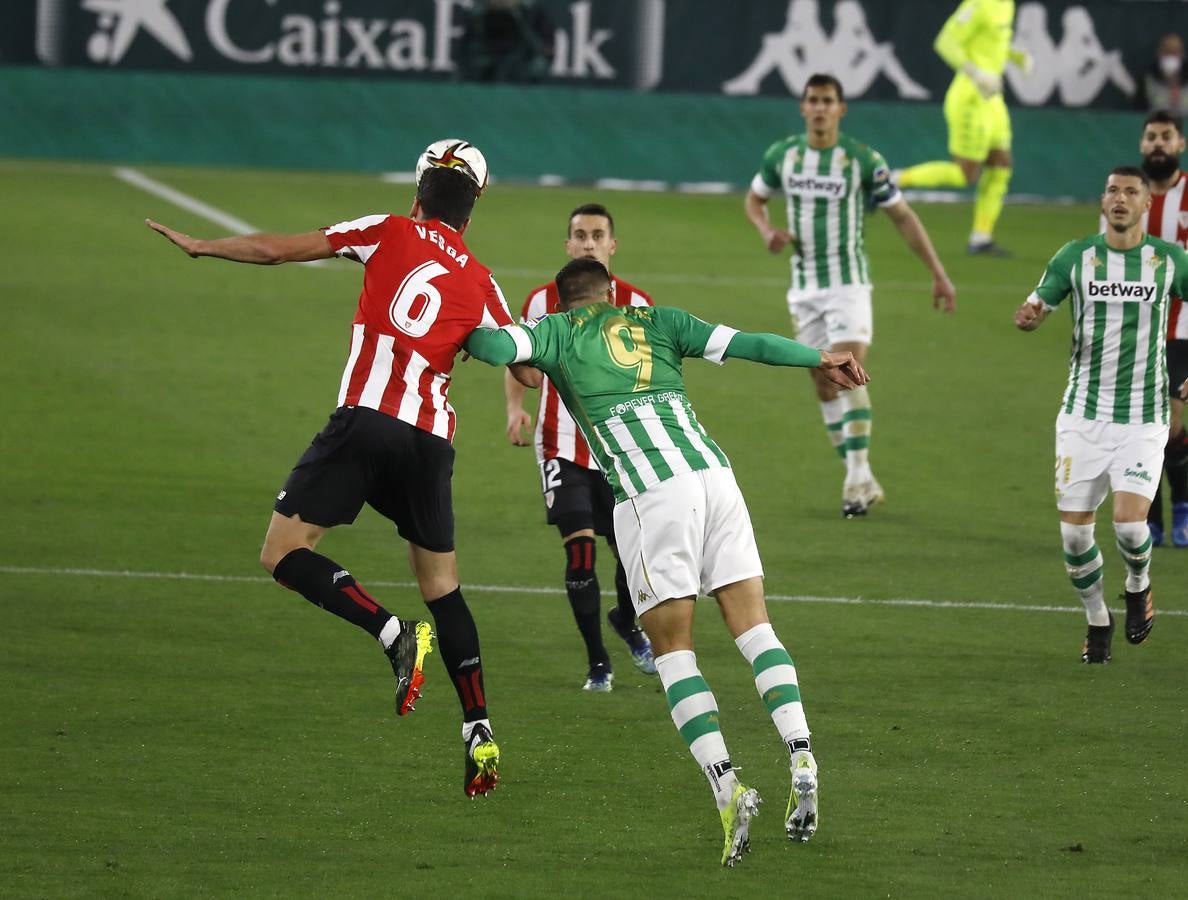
976, 125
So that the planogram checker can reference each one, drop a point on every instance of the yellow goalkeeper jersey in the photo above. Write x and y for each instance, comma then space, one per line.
979, 32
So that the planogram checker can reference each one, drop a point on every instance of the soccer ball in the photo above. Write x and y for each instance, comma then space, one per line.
454, 153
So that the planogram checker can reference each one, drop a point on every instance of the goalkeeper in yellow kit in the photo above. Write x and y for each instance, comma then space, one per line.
976, 43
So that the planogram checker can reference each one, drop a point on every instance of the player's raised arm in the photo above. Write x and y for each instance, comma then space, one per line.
259, 249
773, 350
909, 226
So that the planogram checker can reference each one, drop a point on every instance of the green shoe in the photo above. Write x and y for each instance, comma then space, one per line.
736, 822
803, 815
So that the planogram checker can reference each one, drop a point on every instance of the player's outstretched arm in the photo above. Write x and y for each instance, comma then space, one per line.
775, 239
494, 346
260, 249
1030, 315
944, 295
773, 350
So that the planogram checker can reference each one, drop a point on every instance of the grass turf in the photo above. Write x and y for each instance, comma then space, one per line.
166, 736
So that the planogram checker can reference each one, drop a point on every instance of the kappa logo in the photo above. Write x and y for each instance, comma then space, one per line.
1143, 291
120, 21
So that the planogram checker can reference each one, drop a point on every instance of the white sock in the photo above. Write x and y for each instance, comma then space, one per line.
775, 679
832, 412
389, 632
695, 713
856, 427
1134, 543
1082, 561
977, 238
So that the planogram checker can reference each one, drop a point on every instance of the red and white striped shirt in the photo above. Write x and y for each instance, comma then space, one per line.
557, 435
423, 294
1168, 219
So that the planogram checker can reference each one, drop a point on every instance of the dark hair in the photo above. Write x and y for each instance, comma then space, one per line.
1163, 117
820, 79
448, 195
1132, 172
590, 209
581, 279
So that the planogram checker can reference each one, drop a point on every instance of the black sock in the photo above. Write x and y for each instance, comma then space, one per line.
325, 583
1155, 511
458, 641
626, 607
581, 586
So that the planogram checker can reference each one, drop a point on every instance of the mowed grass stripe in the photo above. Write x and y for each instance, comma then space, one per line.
552, 591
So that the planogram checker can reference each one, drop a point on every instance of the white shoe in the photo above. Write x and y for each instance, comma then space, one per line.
859, 496
803, 815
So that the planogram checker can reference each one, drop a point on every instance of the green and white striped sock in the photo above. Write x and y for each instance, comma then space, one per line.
775, 679
1082, 561
832, 412
856, 427
695, 714
1134, 542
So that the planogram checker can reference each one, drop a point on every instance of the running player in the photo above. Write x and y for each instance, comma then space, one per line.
829, 179
388, 442
1113, 420
976, 44
1161, 145
578, 499
681, 522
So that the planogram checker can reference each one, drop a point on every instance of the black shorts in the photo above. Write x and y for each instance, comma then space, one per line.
1177, 365
576, 498
364, 456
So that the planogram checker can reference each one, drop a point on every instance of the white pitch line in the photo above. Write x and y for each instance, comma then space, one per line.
191, 204
533, 589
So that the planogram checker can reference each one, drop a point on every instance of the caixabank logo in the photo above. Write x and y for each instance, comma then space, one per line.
415, 36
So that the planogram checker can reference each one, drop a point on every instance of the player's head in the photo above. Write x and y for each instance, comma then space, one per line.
583, 281
1161, 144
823, 103
591, 234
447, 195
1127, 196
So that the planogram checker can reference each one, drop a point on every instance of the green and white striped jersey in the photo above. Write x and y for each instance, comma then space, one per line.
1118, 364
828, 193
618, 369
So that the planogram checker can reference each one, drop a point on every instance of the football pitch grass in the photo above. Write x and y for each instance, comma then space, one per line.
174, 724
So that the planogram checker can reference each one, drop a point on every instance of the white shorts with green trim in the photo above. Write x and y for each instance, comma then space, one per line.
1094, 457
828, 316
686, 536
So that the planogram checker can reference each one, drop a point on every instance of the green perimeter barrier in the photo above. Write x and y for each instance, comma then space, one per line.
579, 134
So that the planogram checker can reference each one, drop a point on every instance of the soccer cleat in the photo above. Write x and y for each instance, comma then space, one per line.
1156, 533
1179, 525
407, 656
637, 642
989, 248
482, 763
858, 497
803, 815
1140, 615
1097, 643
600, 680
736, 822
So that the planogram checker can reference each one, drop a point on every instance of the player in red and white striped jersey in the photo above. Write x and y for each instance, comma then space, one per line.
1161, 145
388, 442
578, 499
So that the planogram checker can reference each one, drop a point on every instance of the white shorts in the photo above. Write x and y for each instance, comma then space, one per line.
822, 318
686, 536
1093, 457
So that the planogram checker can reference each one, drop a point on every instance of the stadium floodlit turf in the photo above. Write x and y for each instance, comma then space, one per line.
182, 736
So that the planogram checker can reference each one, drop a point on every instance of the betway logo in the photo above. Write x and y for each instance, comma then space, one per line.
1143, 291
332, 40
828, 186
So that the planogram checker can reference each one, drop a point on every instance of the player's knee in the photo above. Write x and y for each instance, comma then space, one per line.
1077, 539
580, 554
